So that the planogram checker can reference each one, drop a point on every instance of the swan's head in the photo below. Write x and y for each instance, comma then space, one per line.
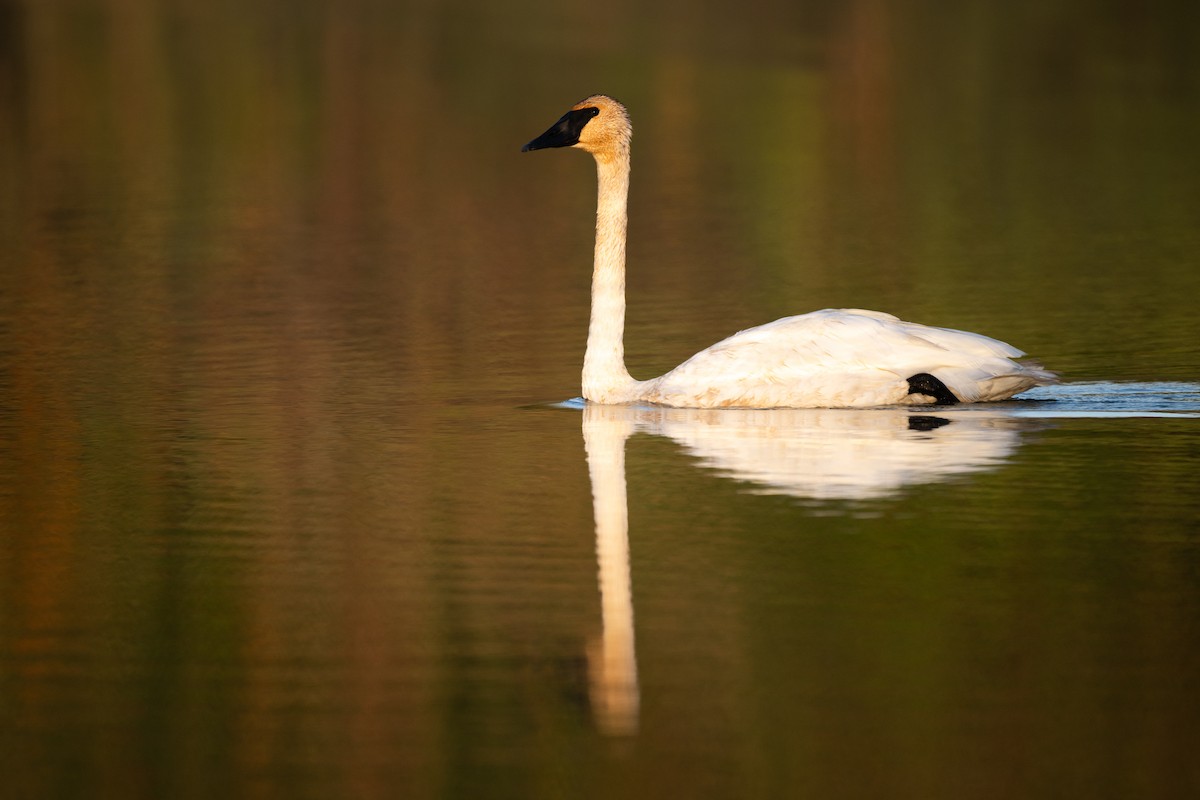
598, 124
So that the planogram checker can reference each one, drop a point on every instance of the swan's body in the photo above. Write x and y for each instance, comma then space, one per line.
829, 358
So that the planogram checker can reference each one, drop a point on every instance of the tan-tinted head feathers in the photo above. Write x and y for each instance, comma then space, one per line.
610, 131
598, 124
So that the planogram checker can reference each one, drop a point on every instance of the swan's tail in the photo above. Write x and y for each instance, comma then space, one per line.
1003, 385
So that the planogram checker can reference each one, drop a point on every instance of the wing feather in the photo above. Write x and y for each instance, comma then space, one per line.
841, 357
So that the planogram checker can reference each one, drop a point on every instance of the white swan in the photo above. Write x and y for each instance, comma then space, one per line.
830, 358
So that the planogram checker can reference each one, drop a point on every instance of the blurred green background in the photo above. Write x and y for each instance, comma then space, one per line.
276, 284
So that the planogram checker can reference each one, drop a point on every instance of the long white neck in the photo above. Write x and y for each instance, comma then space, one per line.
605, 379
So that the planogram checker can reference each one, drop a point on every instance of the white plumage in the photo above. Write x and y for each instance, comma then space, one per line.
838, 358
824, 359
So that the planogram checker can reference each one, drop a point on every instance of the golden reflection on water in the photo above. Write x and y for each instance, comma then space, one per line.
274, 279
612, 662
823, 454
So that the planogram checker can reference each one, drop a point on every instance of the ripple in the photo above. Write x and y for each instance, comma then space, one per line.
1107, 399
1173, 399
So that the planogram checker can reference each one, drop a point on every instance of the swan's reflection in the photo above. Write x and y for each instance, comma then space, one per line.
824, 454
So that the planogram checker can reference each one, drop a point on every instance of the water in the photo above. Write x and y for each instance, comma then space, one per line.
295, 501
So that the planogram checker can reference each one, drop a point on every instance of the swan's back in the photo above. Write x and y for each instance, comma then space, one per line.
839, 358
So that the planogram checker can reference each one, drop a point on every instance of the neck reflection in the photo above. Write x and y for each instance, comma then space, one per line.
612, 662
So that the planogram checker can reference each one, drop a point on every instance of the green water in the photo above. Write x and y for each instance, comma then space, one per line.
294, 502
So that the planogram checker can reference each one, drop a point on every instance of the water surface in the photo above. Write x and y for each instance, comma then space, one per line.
291, 502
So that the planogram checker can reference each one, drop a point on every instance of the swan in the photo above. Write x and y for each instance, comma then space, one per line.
833, 358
